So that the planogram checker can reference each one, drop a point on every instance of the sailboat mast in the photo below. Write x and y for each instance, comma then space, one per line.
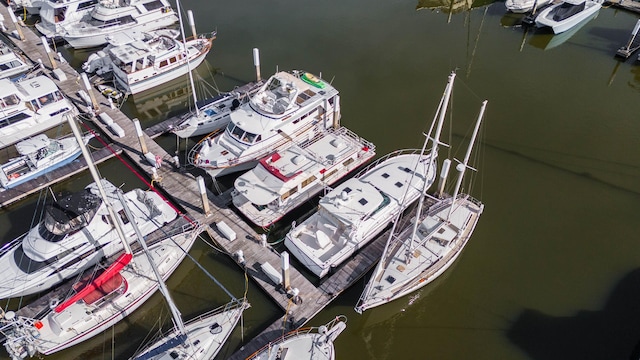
96, 178
184, 41
435, 141
177, 316
463, 166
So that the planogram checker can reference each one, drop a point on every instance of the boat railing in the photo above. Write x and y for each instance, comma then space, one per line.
12, 244
297, 332
388, 156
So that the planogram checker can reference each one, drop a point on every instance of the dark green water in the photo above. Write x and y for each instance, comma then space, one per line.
552, 271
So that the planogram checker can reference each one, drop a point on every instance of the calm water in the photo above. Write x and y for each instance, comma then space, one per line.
552, 271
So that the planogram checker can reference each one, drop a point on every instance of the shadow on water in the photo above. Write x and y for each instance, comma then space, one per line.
610, 333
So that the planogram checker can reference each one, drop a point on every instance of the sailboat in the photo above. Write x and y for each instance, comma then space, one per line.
419, 252
100, 298
304, 344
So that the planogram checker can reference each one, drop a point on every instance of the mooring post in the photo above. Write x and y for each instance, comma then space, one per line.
285, 270
143, 144
443, 176
89, 89
47, 49
203, 194
192, 23
256, 63
16, 24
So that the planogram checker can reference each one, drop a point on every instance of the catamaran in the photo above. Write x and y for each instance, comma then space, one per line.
419, 251
291, 107
286, 179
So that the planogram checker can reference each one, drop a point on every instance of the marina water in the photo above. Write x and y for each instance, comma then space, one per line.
552, 271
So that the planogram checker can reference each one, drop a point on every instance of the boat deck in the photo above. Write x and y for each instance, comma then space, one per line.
185, 193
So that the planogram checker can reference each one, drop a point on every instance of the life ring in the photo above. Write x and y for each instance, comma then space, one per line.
53, 303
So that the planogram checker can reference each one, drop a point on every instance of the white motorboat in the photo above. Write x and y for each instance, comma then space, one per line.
567, 14
214, 113
419, 251
286, 179
29, 107
304, 344
524, 6
55, 14
291, 107
111, 17
102, 296
39, 155
353, 213
74, 235
141, 61
12, 64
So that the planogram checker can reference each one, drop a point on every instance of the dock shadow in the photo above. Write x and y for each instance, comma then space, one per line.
610, 333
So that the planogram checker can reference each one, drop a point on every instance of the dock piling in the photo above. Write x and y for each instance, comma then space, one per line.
17, 25
256, 63
203, 194
286, 285
143, 145
87, 86
47, 49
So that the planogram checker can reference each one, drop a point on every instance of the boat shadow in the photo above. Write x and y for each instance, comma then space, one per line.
610, 333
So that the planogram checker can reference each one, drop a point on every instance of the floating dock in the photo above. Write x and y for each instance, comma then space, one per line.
184, 191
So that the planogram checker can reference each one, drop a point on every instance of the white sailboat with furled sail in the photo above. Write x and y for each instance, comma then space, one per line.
420, 250
100, 297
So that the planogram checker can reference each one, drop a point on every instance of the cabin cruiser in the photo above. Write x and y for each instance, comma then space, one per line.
286, 179
357, 210
566, 14
141, 61
75, 233
39, 155
291, 107
12, 64
29, 107
110, 17
54, 14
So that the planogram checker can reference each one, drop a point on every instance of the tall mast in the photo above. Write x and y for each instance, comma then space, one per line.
177, 316
193, 87
463, 166
97, 180
435, 141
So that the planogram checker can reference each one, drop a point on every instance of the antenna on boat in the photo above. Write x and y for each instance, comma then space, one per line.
184, 41
461, 167
98, 181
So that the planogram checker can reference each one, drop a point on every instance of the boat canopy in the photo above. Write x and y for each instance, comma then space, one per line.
36, 87
33, 144
71, 212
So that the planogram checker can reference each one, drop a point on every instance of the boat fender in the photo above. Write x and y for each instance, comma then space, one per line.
53, 303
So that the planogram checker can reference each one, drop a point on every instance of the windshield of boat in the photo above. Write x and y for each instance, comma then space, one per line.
71, 213
9, 100
241, 135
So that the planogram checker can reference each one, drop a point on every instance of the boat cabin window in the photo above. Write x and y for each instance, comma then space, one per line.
112, 22
308, 181
153, 5
87, 4
13, 119
164, 63
26, 264
10, 65
9, 100
45, 100
289, 193
242, 135
123, 217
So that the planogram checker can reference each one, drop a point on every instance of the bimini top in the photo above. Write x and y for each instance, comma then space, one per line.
33, 144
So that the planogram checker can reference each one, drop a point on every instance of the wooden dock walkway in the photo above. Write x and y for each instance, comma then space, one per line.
182, 188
